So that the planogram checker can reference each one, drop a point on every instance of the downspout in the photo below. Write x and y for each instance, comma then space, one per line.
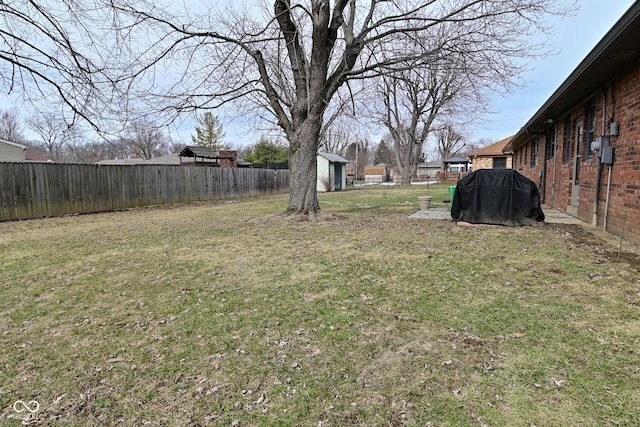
606, 203
543, 177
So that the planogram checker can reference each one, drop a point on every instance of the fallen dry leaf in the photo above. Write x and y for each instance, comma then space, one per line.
518, 334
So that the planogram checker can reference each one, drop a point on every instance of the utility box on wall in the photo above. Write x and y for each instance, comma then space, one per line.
614, 129
607, 156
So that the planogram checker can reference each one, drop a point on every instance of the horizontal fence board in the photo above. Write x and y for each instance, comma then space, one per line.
36, 190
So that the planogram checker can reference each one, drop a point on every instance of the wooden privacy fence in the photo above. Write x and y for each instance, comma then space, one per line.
36, 190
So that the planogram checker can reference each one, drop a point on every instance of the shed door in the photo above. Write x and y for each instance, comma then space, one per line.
575, 178
337, 176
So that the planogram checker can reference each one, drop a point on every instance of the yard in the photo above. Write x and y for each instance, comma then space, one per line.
230, 313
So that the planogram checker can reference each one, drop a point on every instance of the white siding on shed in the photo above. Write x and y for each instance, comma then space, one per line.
11, 152
323, 172
328, 165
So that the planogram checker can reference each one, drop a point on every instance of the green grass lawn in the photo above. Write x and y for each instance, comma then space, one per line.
231, 313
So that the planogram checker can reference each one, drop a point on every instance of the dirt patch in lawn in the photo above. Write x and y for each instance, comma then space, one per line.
603, 244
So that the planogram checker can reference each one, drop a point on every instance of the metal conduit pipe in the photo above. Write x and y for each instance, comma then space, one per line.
594, 219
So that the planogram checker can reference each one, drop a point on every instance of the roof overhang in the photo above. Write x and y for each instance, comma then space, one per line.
13, 144
334, 158
614, 56
194, 151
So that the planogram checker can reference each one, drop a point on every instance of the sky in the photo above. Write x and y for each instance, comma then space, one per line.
573, 38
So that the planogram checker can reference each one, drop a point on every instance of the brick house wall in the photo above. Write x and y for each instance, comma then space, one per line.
485, 158
625, 172
228, 158
487, 162
618, 102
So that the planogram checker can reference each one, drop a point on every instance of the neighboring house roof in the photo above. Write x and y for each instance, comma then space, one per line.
121, 162
35, 155
174, 159
457, 160
615, 54
495, 149
375, 170
169, 159
197, 151
432, 164
334, 158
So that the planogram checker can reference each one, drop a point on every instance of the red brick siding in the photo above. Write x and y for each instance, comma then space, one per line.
228, 158
622, 105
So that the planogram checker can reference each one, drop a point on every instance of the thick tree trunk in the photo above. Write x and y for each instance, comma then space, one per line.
405, 174
303, 197
407, 155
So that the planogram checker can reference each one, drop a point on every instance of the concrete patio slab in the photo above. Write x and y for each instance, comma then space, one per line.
551, 216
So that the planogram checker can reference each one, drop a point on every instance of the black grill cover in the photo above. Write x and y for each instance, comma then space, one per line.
496, 196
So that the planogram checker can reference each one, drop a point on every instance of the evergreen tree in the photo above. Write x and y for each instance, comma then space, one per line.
267, 151
384, 155
209, 132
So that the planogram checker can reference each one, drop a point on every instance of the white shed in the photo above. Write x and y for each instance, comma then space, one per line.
332, 172
11, 152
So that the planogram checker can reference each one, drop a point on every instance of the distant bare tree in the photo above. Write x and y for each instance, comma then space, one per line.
338, 133
450, 142
177, 147
11, 127
145, 140
360, 155
452, 86
474, 145
90, 152
56, 137
413, 99
342, 124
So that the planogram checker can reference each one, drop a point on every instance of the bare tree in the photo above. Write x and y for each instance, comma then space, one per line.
342, 123
145, 140
452, 86
90, 152
471, 146
11, 127
56, 137
291, 64
359, 154
413, 99
450, 142
57, 52
338, 133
